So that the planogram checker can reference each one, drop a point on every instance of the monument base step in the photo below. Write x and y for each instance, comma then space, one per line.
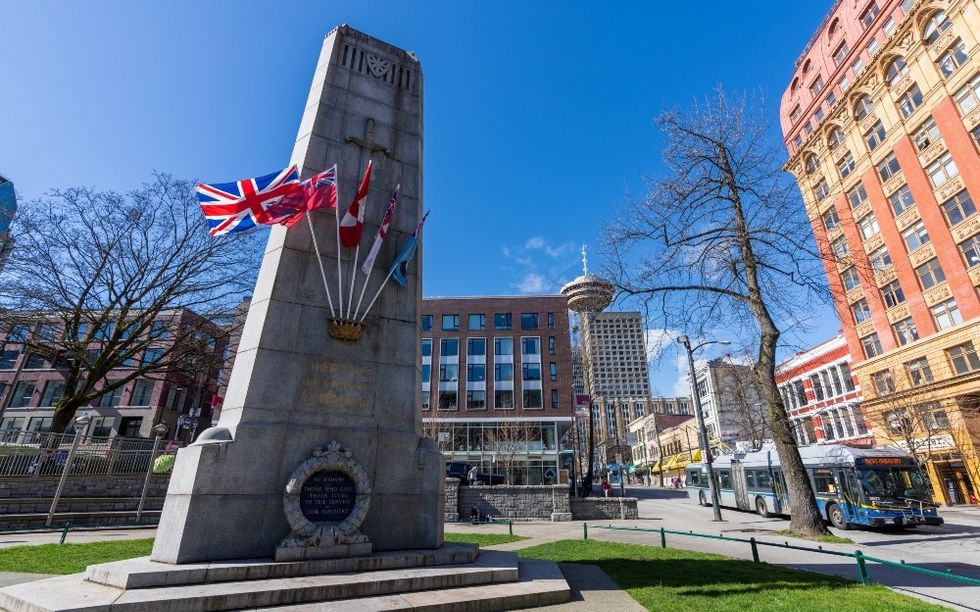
541, 583
465, 586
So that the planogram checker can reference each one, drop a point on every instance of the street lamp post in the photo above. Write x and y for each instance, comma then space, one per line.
702, 432
81, 423
160, 429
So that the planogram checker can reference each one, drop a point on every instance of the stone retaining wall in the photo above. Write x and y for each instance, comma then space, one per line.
541, 502
85, 500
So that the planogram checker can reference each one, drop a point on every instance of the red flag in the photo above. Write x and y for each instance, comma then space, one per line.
319, 191
352, 224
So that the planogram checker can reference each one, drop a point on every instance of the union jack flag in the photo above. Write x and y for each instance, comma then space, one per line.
238, 206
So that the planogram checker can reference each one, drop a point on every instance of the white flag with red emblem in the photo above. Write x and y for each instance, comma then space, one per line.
352, 224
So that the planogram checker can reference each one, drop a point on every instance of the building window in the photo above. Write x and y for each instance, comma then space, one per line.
926, 134
808, 128
101, 427
33, 361
448, 347
22, 393
831, 99
426, 322
970, 248
142, 393
551, 320
532, 399
531, 371
930, 273
796, 113
959, 207
858, 195
884, 383
846, 165
53, 391
880, 259
427, 347
910, 100
503, 372
817, 86
888, 167
915, 236
963, 358
841, 53
942, 170
553, 371
503, 346
477, 322
850, 278
531, 346
869, 14
797, 141
889, 26
953, 58
810, 164
503, 399
968, 97
896, 70
448, 399
503, 320
868, 224
529, 320
947, 314
426, 373
861, 311
554, 399
835, 139
476, 372
863, 108
839, 247
8, 360
892, 294
476, 347
551, 345
871, 345
448, 372
905, 331
872, 47
936, 25
822, 190
901, 200
476, 399
830, 219
875, 136
426, 399
919, 371
450, 322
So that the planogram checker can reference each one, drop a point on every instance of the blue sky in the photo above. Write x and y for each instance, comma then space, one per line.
537, 119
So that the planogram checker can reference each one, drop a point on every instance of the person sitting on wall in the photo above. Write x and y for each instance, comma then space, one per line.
606, 487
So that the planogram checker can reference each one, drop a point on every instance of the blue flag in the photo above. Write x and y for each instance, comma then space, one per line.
399, 268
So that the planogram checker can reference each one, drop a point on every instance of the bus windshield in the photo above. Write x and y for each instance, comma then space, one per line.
880, 483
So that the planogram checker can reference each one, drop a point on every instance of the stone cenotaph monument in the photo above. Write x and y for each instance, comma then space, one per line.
294, 389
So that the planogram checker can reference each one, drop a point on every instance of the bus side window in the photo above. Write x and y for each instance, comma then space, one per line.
693, 477
749, 479
725, 479
762, 478
823, 481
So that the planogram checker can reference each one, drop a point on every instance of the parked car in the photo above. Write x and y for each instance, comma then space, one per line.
491, 479
457, 470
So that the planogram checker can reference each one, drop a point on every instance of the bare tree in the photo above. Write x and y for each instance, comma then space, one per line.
106, 280
745, 397
509, 441
721, 242
911, 419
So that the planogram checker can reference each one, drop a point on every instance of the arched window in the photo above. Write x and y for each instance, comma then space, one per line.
811, 164
863, 108
835, 139
795, 85
834, 27
896, 70
936, 25
806, 66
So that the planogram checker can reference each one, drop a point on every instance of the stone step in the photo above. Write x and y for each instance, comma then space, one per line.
73, 593
141, 573
541, 583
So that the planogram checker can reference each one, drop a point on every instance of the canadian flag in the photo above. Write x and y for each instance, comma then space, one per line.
352, 224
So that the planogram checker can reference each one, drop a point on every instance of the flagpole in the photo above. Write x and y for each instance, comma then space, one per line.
319, 261
375, 298
367, 275
340, 276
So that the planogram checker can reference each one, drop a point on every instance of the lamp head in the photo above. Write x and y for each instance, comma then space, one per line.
83, 420
682, 339
161, 429
726, 342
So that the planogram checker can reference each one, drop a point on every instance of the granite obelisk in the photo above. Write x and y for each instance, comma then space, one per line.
294, 389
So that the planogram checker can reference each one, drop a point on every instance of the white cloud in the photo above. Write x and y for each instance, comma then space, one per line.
533, 283
505, 251
535, 242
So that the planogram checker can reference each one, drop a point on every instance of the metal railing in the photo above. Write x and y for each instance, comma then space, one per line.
32, 454
860, 558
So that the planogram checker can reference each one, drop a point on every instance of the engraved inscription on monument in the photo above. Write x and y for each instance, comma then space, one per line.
327, 497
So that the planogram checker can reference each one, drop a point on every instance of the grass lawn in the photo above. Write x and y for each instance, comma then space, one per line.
483, 539
69, 558
669, 579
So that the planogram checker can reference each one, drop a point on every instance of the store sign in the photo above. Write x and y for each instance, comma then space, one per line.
582, 401
935, 443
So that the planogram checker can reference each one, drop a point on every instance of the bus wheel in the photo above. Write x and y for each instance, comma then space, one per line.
702, 499
760, 507
837, 518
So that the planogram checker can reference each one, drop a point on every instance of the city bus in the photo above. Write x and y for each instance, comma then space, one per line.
873, 487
